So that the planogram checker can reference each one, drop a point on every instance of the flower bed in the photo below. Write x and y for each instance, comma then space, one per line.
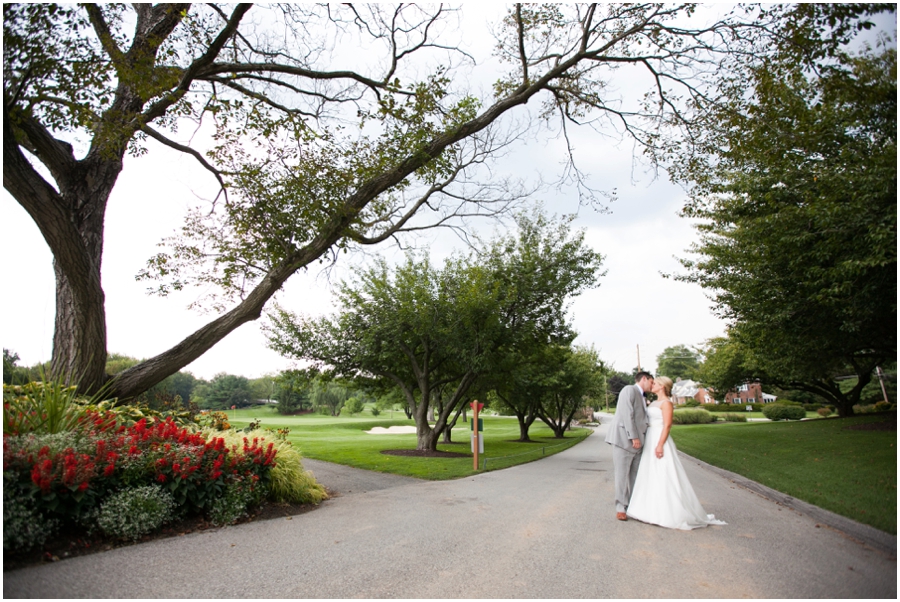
71, 477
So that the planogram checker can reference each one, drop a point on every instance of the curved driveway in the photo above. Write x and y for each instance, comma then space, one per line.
541, 530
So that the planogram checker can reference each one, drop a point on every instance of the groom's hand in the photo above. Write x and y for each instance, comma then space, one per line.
636, 443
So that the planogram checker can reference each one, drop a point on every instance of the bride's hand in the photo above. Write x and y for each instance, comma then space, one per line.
659, 452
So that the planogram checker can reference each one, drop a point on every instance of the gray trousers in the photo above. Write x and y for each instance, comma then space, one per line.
625, 463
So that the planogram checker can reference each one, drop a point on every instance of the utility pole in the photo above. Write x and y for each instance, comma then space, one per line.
639, 357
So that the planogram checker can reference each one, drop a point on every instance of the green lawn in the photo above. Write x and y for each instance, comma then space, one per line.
343, 440
850, 472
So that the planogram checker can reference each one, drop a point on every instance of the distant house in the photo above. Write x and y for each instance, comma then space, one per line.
688, 389
749, 393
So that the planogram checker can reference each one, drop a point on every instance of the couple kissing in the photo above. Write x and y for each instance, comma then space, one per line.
651, 485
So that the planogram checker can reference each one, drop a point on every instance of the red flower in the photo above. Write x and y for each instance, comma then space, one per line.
161, 478
83, 486
109, 470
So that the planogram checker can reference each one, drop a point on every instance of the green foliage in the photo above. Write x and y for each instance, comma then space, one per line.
232, 504
330, 397
292, 390
354, 405
734, 407
692, 403
799, 223
780, 411
572, 380
225, 391
692, 417
678, 362
42, 407
25, 526
132, 513
733, 417
824, 412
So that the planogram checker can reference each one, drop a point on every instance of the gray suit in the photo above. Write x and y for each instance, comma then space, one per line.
630, 422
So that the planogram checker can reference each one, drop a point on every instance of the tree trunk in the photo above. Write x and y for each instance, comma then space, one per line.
525, 422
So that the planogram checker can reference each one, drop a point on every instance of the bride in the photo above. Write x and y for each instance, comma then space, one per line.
662, 494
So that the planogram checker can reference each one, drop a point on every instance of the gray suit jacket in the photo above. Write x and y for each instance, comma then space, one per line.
630, 421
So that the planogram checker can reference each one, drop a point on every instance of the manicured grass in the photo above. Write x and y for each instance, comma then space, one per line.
850, 472
343, 440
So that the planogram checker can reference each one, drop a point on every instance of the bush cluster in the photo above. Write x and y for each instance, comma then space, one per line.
692, 417
130, 514
734, 417
824, 412
780, 411
733, 407
102, 468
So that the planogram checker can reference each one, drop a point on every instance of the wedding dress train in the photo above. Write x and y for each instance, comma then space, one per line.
662, 494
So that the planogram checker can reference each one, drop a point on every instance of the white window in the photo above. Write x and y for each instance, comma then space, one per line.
751, 400
743, 388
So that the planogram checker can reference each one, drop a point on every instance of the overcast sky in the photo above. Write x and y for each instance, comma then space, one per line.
634, 305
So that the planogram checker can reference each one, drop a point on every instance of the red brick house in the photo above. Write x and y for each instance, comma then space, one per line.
749, 393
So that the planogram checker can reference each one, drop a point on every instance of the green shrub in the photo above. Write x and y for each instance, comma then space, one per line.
692, 417
788, 402
24, 525
375, 411
780, 411
238, 496
354, 405
824, 412
882, 406
132, 513
733, 407
813, 407
691, 403
734, 417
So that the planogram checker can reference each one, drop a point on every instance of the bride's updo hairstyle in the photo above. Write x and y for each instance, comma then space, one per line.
666, 383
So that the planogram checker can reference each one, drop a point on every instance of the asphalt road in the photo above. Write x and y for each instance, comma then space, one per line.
541, 530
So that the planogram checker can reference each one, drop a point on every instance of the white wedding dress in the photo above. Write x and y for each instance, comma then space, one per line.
662, 494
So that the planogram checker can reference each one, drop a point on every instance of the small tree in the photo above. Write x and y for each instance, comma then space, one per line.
578, 377
330, 397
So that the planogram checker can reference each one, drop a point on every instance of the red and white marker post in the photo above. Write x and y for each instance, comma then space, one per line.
476, 434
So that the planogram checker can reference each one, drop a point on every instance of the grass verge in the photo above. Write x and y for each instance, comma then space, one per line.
849, 472
343, 440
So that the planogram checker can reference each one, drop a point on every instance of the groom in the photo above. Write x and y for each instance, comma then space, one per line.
626, 435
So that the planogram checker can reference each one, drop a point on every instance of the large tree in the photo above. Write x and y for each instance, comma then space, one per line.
427, 331
315, 148
799, 223
434, 333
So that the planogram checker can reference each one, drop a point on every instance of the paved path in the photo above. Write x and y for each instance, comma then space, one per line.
541, 530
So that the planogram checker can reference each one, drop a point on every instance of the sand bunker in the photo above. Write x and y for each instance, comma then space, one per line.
394, 430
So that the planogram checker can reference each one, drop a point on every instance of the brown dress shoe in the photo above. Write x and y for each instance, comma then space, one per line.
621, 516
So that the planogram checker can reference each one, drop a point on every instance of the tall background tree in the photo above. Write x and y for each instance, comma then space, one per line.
312, 155
798, 203
678, 361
